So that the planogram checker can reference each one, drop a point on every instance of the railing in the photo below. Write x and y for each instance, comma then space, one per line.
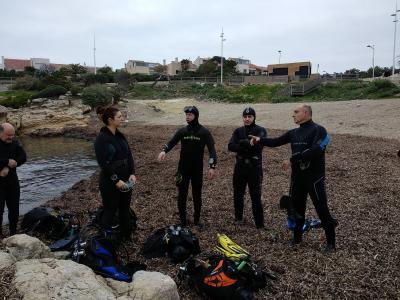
7, 80
302, 89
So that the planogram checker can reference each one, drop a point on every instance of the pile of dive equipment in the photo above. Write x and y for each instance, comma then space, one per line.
99, 249
229, 275
174, 241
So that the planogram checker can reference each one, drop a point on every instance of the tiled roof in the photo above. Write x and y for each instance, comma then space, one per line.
16, 64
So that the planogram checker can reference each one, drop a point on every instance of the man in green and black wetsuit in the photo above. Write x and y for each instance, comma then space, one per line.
193, 137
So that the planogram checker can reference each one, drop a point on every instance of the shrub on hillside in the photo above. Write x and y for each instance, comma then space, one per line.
17, 100
50, 80
90, 79
75, 90
96, 95
381, 84
27, 82
51, 91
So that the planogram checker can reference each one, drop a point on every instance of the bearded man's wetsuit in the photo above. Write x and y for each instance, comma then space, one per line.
193, 137
116, 162
248, 169
308, 143
9, 185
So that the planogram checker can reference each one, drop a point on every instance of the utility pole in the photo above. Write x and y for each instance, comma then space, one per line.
280, 54
394, 38
222, 56
94, 53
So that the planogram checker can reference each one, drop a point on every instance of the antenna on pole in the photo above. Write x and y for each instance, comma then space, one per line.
94, 53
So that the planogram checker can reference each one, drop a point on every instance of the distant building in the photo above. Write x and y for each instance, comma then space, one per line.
200, 60
16, 64
140, 67
257, 70
40, 63
174, 67
242, 65
301, 69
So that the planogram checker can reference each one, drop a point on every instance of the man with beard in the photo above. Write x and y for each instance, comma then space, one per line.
248, 167
12, 155
193, 137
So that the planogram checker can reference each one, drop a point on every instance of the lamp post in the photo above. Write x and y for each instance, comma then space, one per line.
222, 56
94, 53
280, 54
394, 37
373, 59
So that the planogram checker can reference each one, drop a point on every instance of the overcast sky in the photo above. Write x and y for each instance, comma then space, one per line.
331, 33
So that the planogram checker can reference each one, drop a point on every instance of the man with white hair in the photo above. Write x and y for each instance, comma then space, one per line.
12, 155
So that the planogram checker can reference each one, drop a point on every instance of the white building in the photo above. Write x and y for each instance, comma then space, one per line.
140, 67
242, 65
40, 63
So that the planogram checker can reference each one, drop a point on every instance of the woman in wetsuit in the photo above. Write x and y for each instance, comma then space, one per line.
117, 174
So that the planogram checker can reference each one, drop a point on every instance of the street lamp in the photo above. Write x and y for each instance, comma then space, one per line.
373, 59
222, 55
394, 37
280, 54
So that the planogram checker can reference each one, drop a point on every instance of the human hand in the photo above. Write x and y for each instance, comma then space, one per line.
120, 185
254, 140
4, 172
285, 165
12, 163
132, 178
211, 173
161, 156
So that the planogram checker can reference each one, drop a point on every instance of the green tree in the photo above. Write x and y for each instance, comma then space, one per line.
105, 70
160, 69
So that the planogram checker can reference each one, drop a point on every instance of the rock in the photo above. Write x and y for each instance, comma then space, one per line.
38, 101
49, 117
49, 278
62, 97
23, 246
146, 285
6, 260
61, 254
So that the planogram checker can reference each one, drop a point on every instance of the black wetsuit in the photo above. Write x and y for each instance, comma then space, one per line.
116, 162
248, 170
193, 137
9, 185
308, 143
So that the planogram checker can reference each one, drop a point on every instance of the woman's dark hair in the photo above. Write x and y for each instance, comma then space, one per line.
109, 113
100, 109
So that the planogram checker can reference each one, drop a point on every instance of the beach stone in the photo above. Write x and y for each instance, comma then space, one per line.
50, 278
148, 285
6, 260
22, 246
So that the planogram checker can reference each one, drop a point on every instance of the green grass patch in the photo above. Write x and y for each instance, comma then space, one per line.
15, 99
345, 90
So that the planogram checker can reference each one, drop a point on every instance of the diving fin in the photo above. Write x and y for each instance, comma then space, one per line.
230, 246
230, 255
63, 244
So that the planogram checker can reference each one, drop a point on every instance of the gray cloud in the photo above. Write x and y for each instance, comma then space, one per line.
331, 33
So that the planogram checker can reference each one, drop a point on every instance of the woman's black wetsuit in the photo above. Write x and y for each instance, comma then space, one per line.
116, 162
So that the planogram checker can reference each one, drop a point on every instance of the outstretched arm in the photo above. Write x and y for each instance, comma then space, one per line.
171, 144
271, 142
